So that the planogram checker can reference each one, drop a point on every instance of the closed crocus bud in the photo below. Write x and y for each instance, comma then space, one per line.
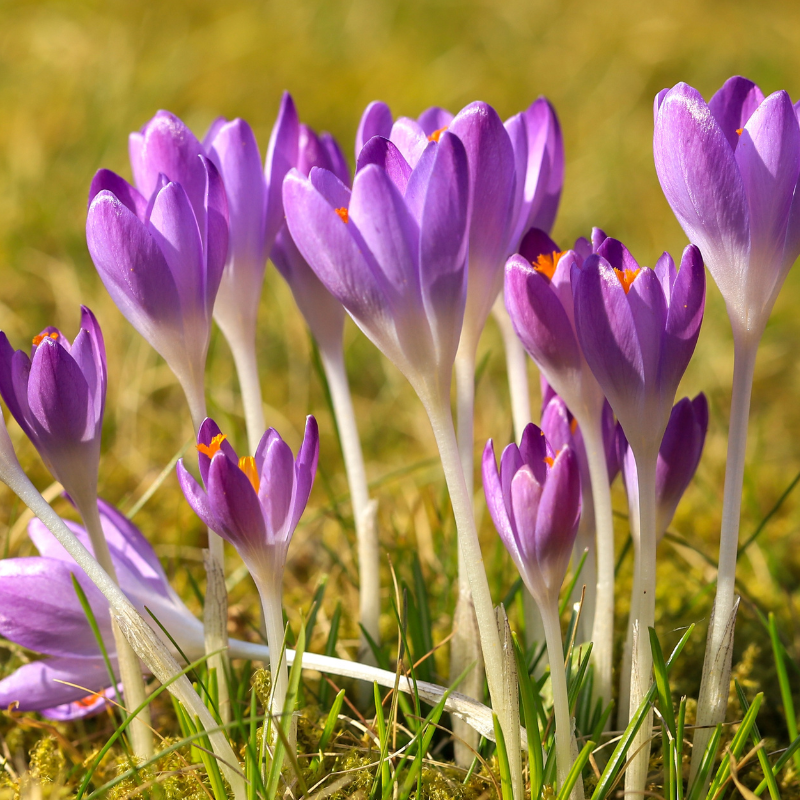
393, 251
678, 458
323, 313
638, 328
539, 154
535, 503
160, 248
254, 502
57, 396
729, 170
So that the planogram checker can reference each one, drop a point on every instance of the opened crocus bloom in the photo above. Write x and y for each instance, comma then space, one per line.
40, 611
57, 397
729, 169
160, 247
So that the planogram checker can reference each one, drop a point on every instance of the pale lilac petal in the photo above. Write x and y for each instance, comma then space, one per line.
410, 139
106, 180
649, 310
375, 121
197, 498
305, 470
733, 105
282, 155
495, 502
276, 489
330, 187
384, 154
434, 119
666, 272
86, 707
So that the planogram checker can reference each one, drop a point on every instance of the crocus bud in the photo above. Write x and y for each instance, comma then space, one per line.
677, 463
57, 397
638, 328
729, 170
393, 252
539, 154
254, 502
323, 313
160, 248
535, 503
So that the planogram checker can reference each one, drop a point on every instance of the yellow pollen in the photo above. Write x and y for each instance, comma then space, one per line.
344, 214
627, 277
434, 137
739, 131
546, 263
37, 340
247, 464
573, 426
211, 449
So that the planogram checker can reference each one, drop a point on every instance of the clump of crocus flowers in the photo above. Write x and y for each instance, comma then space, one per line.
445, 219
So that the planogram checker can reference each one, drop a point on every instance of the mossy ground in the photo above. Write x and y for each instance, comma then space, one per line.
75, 78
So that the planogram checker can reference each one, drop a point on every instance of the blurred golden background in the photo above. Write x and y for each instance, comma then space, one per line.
77, 76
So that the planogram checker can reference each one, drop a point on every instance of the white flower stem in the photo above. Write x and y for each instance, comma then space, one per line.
603, 626
215, 620
465, 646
714, 686
129, 668
517, 368
140, 635
623, 714
364, 510
243, 349
438, 408
558, 682
270, 587
642, 656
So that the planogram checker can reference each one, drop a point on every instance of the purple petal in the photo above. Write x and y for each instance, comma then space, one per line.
375, 121
649, 309
536, 243
305, 470
410, 139
107, 180
733, 105
534, 449
197, 498
208, 431
525, 494
384, 154
495, 502
330, 187
276, 489
85, 707
40, 611
215, 237
617, 255
282, 155
666, 272
434, 119
701, 181
43, 684
557, 423
15, 369
336, 159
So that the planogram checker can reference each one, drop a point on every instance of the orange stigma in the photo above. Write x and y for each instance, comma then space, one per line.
37, 340
211, 449
344, 214
573, 426
550, 461
247, 464
546, 263
627, 277
739, 131
434, 137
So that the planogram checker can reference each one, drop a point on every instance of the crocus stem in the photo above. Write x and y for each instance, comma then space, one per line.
441, 418
714, 686
558, 682
364, 512
465, 648
243, 349
270, 588
627, 651
141, 636
517, 368
603, 627
215, 619
129, 668
642, 656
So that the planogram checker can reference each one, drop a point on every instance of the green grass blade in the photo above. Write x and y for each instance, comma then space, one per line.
662, 683
571, 585
737, 745
793, 748
679, 734
330, 649
502, 760
327, 731
706, 764
531, 711
778, 653
383, 739
574, 775
755, 736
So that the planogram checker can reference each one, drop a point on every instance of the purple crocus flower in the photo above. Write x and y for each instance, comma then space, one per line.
393, 251
491, 160
160, 247
638, 328
535, 503
323, 313
57, 397
254, 502
539, 153
678, 459
40, 611
730, 170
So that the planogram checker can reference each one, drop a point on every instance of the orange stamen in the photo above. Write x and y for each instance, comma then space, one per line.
546, 263
211, 449
89, 700
573, 426
627, 277
37, 340
739, 131
344, 214
434, 137
247, 464
549, 461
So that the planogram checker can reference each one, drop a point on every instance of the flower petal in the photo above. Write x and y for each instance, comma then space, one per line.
434, 119
733, 105
384, 154
197, 498
375, 121
493, 491
336, 159
410, 139
105, 179
282, 155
